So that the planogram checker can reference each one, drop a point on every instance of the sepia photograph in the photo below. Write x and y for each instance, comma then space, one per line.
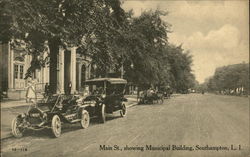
124, 78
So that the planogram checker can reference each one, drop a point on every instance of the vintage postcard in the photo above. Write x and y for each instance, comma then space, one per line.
104, 78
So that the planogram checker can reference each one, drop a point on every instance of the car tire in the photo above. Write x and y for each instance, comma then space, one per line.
123, 111
85, 119
56, 126
102, 116
17, 132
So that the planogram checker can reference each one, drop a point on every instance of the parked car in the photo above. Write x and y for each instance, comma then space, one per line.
57, 109
106, 96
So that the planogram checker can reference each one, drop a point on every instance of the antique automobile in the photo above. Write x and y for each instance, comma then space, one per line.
106, 96
57, 109
150, 96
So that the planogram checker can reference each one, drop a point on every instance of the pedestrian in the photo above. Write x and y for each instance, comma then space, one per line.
150, 92
86, 91
69, 88
30, 93
47, 89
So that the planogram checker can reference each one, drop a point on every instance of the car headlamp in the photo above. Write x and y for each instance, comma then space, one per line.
44, 116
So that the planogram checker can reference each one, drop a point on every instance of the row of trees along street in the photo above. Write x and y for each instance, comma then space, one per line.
101, 29
231, 79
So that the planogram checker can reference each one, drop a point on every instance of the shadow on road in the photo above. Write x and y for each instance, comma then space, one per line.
152, 104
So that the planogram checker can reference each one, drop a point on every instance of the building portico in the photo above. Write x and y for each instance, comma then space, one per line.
83, 66
72, 67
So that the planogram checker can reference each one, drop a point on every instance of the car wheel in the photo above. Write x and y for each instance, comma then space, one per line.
16, 130
85, 119
56, 126
102, 114
123, 111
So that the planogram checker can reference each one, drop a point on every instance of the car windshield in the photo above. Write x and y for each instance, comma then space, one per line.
98, 88
52, 99
115, 89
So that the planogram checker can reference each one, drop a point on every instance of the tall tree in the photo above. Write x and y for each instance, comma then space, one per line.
145, 38
230, 77
61, 23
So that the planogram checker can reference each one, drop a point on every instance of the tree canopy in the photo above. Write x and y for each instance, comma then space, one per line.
103, 30
230, 77
155, 60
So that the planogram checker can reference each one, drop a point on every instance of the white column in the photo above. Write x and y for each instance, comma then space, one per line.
80, 75
10, 67
89, 71
46, 73
86, 71
45, 70
42, 77
73, 69
61, 70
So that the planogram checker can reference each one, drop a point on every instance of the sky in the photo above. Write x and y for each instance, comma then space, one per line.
216, 32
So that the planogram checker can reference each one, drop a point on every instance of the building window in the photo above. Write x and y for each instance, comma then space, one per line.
18, 71
15, 71
21, 71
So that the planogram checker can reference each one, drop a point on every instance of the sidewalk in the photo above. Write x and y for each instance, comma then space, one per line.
11, 108
13, 103
132, 100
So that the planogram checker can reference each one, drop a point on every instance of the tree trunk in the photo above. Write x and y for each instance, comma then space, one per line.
54, 51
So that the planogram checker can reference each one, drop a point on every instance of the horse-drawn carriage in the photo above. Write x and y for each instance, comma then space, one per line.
150, 97
167, 91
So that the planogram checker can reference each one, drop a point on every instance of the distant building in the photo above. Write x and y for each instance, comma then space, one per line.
71, 67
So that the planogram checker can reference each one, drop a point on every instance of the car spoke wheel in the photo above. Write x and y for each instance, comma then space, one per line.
123, 111
56, 126
102, 114
85, 119
16, 130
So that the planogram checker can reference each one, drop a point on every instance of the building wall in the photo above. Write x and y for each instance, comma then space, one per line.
14, 66
83, 68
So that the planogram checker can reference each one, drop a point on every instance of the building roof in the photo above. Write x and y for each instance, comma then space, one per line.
110, 80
